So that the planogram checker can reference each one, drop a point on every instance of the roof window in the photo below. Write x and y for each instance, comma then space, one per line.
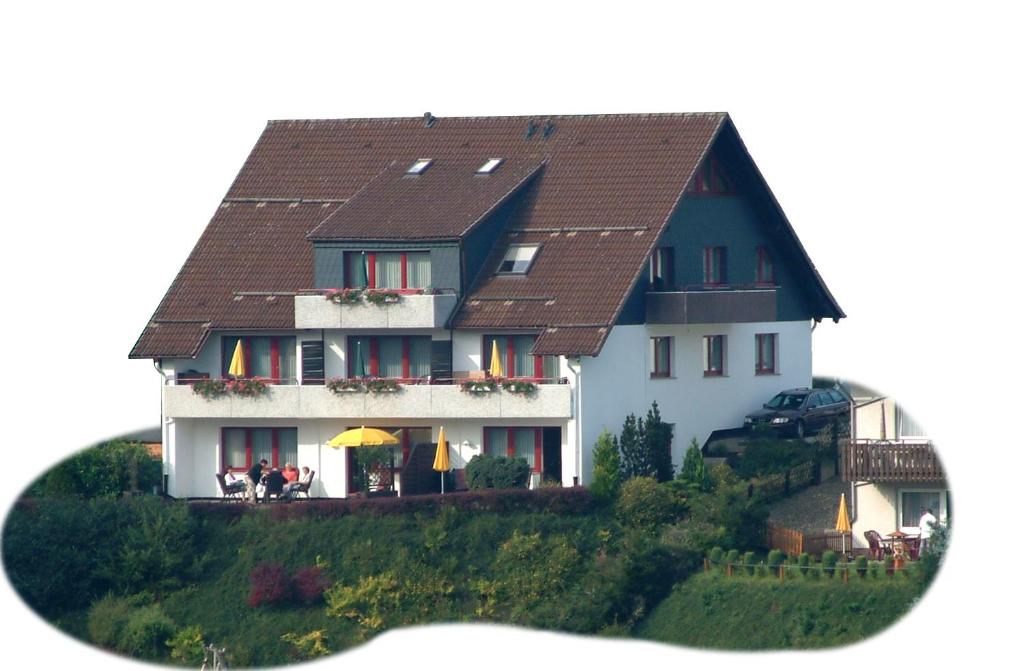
419, 166
518, 259
489, 167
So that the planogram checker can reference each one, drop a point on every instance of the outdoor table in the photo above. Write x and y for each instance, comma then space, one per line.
898, 543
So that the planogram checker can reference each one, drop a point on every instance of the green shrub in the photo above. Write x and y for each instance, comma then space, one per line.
186, 646
485, 471
722, 475
158, 551
861, 566
804, 562
146, 633
876, 569
732, 558
309, 646
693, 470
107, 619
715, 556
104, 471
607, 468
828, 562
748, 562
644, 504
775, 559
764, 456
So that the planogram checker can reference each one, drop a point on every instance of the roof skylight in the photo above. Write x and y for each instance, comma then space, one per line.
419, 166
490, 166
518, 259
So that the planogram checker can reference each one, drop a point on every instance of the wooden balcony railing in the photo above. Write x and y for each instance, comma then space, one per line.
889, 461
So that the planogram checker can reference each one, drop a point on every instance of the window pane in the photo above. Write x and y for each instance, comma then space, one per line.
488, 354
523, 359
419, 437
418, 270
524, 444
419, 357
288, 447
389, 270
661, 362
908, 427
389, 357
550, 368
286, 348
262, 445
497, 442
259, 357
234, 448
914, 505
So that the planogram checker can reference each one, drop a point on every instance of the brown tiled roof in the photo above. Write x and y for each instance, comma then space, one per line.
445, 201
571, 340
608, 185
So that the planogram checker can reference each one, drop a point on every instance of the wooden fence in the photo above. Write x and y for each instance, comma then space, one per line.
794, 542
780, 485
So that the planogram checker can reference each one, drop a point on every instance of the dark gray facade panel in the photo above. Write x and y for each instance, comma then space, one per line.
329, 259
711, 307
478, 245
730, 222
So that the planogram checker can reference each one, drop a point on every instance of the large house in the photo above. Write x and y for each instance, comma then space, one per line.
611, 260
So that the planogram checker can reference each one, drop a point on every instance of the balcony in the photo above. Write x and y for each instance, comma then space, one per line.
889, 461
725, 305
408, 311
416, 401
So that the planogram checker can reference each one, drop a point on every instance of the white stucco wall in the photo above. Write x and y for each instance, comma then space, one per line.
618, 382
878, 507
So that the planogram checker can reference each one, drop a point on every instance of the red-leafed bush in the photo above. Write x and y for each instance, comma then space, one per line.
269, 584
310, 584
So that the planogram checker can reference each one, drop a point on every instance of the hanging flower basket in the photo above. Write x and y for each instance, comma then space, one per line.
210, 388
479, 386
343, 296
345, 385
249, 386
383, 386
519, 387
382, 297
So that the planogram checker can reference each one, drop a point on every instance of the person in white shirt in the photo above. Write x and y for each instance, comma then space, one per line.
925, 526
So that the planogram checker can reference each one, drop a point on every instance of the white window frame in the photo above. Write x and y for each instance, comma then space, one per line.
419, 166
489, 166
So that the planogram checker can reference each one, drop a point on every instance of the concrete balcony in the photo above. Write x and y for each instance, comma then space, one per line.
409, 311
551, 401
712, 306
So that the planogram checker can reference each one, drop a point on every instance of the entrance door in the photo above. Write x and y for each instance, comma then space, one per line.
552, 444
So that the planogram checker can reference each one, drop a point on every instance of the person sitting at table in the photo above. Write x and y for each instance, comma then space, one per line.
292, 488
275, 483
291, 474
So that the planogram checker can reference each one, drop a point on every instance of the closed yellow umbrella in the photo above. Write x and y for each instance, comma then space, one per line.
237, 367
495, 369
441, 463
362, 436
843, 520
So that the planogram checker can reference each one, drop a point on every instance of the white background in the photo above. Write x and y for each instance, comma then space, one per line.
890, 133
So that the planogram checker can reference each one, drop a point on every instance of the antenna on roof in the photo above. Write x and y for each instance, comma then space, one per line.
428, 119
549, 128
531, 128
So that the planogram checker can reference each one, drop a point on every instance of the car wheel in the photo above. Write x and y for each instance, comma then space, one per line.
801, 430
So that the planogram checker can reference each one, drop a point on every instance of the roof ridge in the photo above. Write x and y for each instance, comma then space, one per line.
506, 117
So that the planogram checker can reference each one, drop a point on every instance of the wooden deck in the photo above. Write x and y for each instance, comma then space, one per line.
889, 461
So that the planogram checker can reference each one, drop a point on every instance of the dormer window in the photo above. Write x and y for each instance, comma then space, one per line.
518, 259
419, 167
490, 166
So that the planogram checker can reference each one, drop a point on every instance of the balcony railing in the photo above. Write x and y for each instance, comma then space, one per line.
404, 310
889, 461
712, 305
413, 401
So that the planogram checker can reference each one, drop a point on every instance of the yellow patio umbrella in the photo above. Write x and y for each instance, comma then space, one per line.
843, 519
441, 463
237, 367
362, 436
495, 369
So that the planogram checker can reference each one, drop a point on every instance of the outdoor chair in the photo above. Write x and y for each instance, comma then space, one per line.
234, 490
877, 551
303, 487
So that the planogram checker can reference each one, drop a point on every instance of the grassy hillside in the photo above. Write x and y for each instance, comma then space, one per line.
740, 613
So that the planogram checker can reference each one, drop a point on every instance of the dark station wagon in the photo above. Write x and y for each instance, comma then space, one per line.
800, 412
